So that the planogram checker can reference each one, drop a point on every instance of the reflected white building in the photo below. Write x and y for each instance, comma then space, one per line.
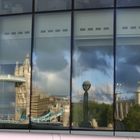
123, 105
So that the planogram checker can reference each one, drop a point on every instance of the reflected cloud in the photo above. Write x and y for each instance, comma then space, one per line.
128, 70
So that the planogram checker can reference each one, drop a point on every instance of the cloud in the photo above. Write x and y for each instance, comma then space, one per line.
52, 83
99, 58
50, 54
51, 69
13, 50
128, 71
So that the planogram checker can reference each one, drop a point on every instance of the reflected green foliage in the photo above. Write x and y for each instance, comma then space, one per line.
132, 121
77, 114
103, 113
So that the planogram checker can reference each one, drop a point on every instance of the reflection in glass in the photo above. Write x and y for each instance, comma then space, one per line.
82, 4
127, 71
15, 40
51, 72
48, 5
92, 95
128, 3
15, 6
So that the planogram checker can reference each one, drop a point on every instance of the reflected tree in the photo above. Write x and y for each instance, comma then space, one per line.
132, 121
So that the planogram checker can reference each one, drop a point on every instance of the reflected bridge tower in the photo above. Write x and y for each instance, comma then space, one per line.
21, 78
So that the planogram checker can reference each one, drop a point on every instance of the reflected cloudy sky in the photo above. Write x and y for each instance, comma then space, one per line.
96, 65
13, 47
51, 70
11, 51
128, 68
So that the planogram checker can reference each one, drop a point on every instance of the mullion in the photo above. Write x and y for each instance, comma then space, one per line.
15, 14
31, 59
71, 67
114, 66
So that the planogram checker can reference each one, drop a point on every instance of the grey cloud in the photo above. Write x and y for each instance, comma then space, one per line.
129, 53
128, 75
127, 72
50, 53
57, 85
99, 58
14, 50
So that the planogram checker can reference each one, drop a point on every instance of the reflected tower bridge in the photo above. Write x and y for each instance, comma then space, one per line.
12, 78
21, 80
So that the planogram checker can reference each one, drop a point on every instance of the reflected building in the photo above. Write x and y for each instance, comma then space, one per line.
123, 106
50, 109
22, 105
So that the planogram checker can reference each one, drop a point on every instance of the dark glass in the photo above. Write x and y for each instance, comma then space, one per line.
127, 70
50, 107
128, 3
49, 5
15, 6
92, 95
83, 4
15, 41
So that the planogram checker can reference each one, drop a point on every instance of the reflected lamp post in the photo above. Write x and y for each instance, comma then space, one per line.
86, 86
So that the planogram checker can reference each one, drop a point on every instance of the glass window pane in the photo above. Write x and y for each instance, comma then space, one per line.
128, 3
15, 41
127, 70
15, 6
51, 72
92, 95
49, 5
83, 4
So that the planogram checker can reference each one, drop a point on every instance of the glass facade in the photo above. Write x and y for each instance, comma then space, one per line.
15, 71
83, 4
70, 65
127, 61
15, 6
51, 71
51, 5
93, 63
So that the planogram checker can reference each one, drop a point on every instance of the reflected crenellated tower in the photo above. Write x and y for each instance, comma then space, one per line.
22, 105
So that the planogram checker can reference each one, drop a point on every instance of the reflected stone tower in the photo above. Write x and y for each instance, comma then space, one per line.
23, 91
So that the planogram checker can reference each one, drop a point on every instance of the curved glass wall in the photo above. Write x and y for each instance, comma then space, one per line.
70, 65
